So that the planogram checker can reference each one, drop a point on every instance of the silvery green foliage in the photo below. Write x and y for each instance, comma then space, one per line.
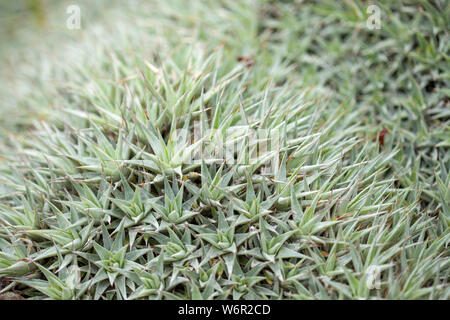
101, 201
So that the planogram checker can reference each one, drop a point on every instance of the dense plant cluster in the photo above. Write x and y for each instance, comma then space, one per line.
98, 199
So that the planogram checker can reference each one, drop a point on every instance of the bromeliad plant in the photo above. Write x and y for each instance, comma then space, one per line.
103, 198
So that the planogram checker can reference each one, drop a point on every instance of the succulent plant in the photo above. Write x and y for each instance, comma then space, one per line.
193, 160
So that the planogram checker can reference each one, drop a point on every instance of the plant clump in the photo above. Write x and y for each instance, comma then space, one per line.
193, 174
